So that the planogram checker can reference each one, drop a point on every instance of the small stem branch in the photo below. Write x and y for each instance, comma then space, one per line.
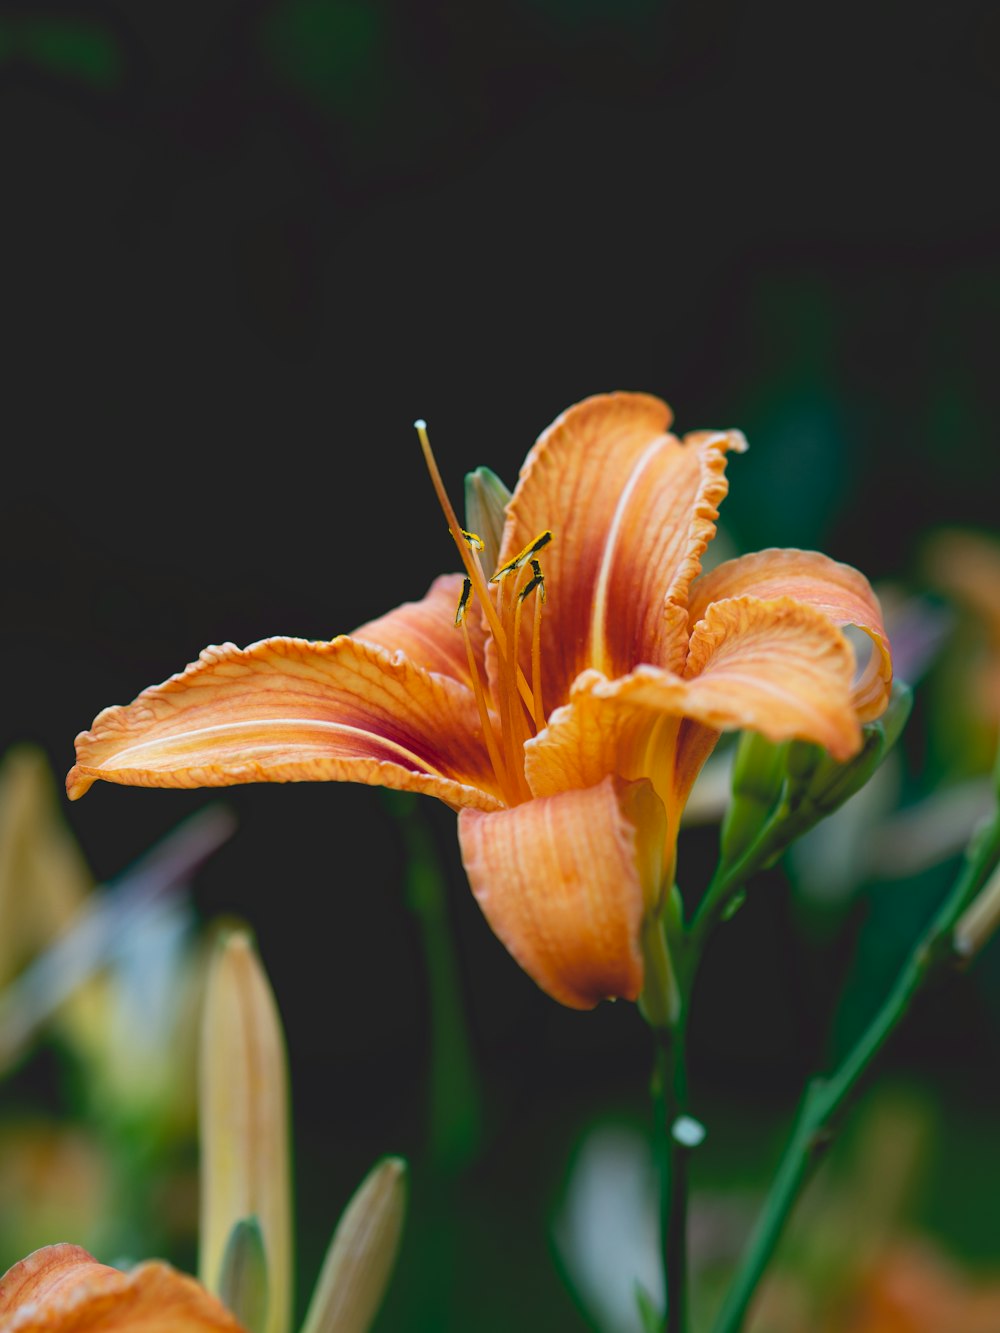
826, 1099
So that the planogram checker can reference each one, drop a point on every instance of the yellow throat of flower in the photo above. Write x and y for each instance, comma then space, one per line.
516, 700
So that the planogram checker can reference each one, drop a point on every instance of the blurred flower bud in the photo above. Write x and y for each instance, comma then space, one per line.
243, 1275
362, 1253
244, 1114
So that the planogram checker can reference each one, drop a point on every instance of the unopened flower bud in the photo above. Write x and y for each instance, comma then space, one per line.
362, 1253
243, 1275
243, 1122
832, 783
757, 782
486, 500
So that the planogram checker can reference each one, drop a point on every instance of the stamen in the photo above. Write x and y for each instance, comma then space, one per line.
514, 722
463, 601
536, 659
535, 583
484, 717
472, 566
531, 549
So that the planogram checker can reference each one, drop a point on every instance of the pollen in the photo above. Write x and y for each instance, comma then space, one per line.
532, 548
473, 539
463, 601
537, 580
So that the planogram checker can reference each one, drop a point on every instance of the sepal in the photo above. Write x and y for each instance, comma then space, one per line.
782, 791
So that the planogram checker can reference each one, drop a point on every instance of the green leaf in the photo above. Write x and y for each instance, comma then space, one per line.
652, 1319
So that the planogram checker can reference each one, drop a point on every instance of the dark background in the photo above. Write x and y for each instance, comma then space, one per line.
246, 244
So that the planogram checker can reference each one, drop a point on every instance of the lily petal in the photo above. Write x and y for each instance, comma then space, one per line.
777, 667
837, 590
62, 1289
602, 731
50, 1271
289, 710
564, 881
631, 509
426, 633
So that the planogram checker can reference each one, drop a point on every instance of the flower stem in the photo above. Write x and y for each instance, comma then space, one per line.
455, 1111
668, 1090
826, 1098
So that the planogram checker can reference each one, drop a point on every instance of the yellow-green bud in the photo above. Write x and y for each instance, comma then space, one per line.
758, 780
242, 1281
486, 500
362, 1253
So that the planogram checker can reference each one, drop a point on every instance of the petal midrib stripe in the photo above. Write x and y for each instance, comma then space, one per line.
127, 757
598, 657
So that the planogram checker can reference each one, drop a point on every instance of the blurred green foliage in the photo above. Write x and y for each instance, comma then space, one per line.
69, 48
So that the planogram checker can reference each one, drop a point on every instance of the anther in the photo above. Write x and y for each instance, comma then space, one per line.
536, 581
471, 538
463, 601
521, 559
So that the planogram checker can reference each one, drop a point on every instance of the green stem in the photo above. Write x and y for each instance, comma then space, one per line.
826, 1099
455, 1109
668, 1089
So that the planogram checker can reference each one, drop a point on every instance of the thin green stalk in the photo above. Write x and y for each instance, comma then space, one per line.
825, 1100
455, 1108
668, 1090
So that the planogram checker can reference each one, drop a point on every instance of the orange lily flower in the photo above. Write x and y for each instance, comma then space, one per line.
63, 1288
567, 734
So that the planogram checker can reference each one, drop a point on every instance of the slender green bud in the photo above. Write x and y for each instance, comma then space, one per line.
759, 768
243, 1275
758, 780
362, 1253
486, 500
782, 791
832, 783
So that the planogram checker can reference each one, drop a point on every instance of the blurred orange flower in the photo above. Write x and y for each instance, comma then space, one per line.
913, 1289
63, 1289
965, 566
246, 1249
567, 735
